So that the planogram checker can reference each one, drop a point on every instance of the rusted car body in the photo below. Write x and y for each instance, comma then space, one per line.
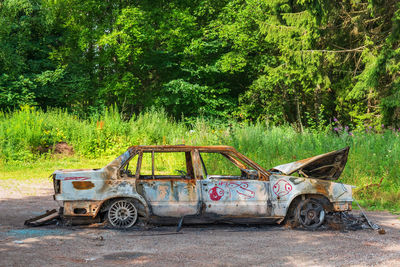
122, 191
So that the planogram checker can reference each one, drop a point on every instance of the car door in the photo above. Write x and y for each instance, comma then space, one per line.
232, 193
169, 193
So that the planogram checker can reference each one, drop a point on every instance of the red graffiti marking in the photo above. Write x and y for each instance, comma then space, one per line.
282, 188
216, 193
241, 188
76, 178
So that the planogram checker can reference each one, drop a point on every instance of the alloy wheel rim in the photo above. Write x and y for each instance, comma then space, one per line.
122, 214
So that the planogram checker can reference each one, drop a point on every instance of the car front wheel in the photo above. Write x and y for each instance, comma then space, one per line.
310, 213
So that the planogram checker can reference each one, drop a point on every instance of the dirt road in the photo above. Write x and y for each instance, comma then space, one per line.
205, 245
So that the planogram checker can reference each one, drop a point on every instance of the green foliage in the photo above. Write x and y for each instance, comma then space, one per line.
298, 62
28, 33
192, 99
16, 92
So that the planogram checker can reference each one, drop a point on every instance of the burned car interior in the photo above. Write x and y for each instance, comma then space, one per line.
152, 165
235, 169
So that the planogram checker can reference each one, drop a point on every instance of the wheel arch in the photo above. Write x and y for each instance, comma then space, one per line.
143, 207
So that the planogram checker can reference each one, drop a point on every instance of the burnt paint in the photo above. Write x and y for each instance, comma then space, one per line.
321, 189
296, 181
82, 185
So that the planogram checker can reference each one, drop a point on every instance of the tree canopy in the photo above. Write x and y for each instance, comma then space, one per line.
282, 61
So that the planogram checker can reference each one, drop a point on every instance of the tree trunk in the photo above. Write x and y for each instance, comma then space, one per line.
299, 115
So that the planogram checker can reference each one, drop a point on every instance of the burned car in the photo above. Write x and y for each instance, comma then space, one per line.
201, 184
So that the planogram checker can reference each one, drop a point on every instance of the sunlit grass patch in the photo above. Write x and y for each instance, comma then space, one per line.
42, 168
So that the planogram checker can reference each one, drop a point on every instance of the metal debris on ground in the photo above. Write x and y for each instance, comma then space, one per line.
342, 221
345, 221
372, 225
50, 217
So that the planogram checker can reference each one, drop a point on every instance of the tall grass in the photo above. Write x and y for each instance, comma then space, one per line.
24, 133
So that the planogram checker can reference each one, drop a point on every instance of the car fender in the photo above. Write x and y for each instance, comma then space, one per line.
284, 189
132, 195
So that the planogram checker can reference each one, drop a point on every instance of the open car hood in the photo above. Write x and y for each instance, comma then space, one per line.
327, 166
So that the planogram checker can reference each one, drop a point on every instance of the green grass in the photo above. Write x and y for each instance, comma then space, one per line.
98, 139
43, 167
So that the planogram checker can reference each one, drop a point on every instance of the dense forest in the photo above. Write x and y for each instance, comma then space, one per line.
303, 62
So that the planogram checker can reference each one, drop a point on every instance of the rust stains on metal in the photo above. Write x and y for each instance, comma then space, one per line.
43, 219
81, 208
321, 189
82, 185
327, 166
339, 206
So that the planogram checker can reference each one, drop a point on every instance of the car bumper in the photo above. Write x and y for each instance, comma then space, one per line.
342, 206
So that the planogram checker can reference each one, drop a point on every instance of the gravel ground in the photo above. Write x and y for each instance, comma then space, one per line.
203, 245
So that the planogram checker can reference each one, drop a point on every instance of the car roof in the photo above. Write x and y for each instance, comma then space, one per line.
185, 148
182, 148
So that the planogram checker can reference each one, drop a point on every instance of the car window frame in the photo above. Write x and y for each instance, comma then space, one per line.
127, 162
234, 160
188, 163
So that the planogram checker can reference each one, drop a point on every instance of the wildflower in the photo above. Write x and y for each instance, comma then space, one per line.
336, 129
100, 125
346, 128
383, 126
351, 134
335, 120
370, 127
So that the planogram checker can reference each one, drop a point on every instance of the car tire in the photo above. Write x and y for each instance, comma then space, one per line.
122, 213
310, 213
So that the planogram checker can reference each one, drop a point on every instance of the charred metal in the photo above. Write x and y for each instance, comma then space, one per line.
301, 191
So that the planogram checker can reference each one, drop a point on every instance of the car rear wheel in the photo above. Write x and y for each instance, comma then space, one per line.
122, 214
310, 213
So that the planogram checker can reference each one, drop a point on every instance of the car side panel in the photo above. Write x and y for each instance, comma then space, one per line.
227, 197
